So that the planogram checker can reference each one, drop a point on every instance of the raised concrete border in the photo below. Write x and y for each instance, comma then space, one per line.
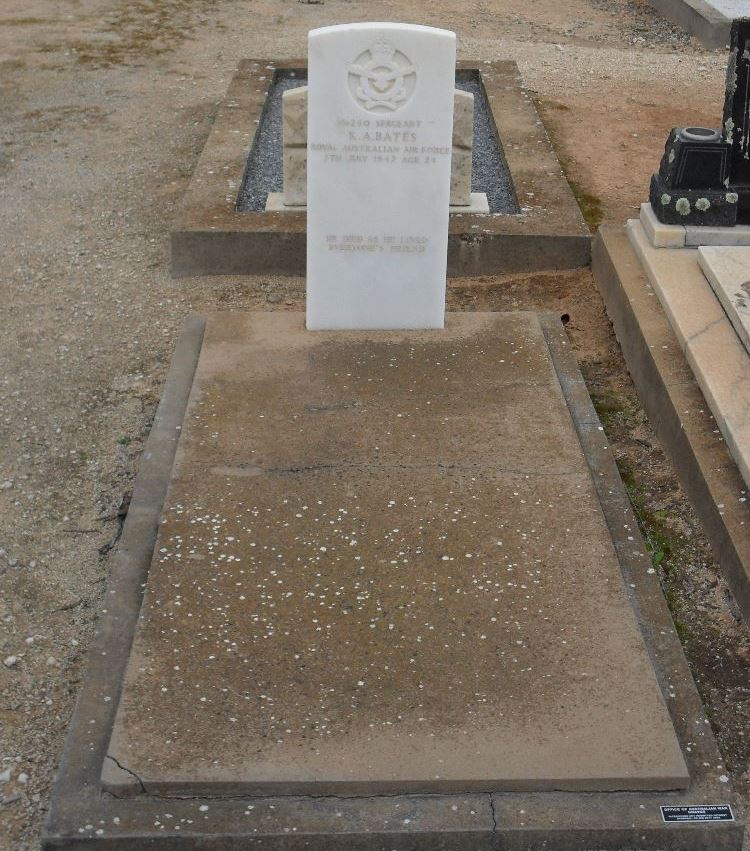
211, 237
699, 17
676, 407
83, 817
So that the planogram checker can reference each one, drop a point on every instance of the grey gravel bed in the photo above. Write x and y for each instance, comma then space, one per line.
264, 172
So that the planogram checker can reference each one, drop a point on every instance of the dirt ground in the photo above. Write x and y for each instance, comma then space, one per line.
104, 108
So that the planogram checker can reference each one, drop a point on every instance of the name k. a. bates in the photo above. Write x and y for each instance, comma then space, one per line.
385, 136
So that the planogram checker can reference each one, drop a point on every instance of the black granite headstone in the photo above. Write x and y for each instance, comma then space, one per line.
737, 110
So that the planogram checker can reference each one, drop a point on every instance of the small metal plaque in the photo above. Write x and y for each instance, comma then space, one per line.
700, 812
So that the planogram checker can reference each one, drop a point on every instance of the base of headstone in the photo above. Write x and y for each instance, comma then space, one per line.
693, 207
443, 636
478, 206
661, 235
672, 397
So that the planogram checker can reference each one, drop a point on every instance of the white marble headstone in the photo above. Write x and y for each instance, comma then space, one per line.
380, 118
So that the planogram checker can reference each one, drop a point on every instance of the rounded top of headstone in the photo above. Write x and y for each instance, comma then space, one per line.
699, 134
364, 26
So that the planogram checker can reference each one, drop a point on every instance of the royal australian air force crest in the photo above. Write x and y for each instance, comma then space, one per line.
382, 79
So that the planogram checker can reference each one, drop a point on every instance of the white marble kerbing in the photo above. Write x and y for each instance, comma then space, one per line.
380, 121
719, 361
737, 235
728, 272
463, 141
294, 135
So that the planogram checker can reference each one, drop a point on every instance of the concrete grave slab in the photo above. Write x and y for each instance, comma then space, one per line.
728, 272
677, 407
356, 588
214, 236
519, 364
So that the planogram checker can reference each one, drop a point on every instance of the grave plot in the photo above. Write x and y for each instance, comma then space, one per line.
398, 595
223, 226
675, 283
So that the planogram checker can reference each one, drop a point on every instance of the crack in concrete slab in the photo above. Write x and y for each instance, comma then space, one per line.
131, 773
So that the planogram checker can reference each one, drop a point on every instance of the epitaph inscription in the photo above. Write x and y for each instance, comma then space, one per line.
380, 120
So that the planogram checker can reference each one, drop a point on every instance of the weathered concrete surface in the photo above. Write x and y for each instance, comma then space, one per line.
676, 407
211, 237
383, 567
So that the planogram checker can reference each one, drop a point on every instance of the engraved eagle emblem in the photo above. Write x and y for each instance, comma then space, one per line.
382, 79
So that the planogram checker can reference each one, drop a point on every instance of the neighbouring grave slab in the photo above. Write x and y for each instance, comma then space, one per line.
380, 131
534, 221
83, 815
728, 272
670, 392
708, 20
357, 589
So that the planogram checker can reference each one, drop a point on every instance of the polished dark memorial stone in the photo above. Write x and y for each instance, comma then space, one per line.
737, 110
